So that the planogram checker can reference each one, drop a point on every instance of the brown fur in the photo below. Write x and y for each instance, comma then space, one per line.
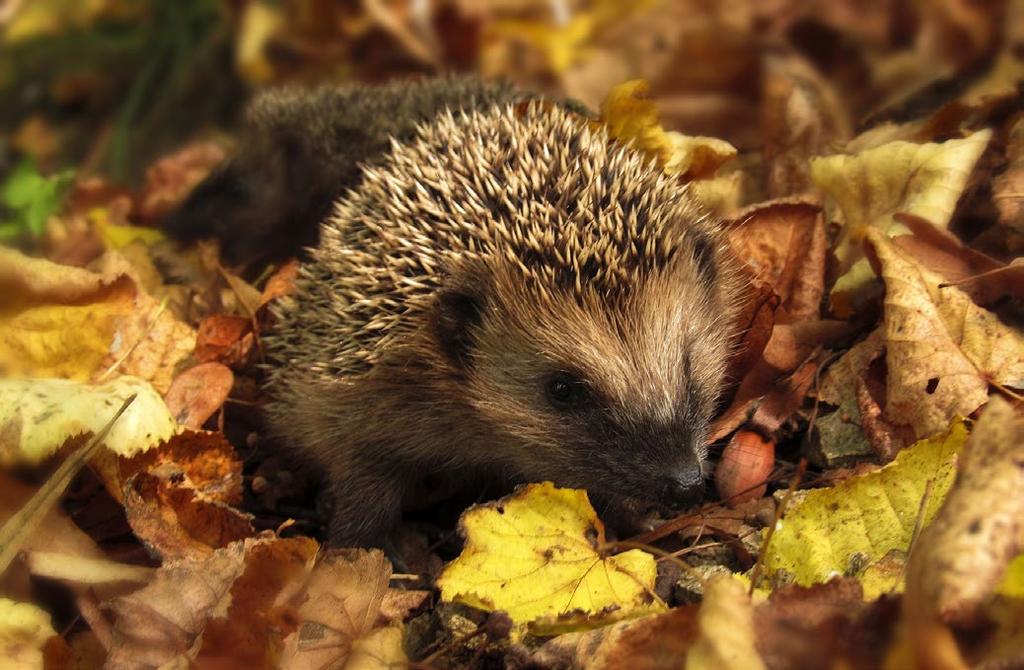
499, 251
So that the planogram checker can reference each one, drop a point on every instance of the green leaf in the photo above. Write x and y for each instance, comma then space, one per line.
30, 199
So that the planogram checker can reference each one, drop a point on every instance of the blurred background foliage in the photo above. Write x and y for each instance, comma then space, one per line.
106, 86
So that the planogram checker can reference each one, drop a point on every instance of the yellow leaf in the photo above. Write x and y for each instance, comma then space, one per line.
869, 187
539, 556
865, 517
38, 415
726, 624
630, 116
71, 323
942, 350
24, 629
260, 22
117, 236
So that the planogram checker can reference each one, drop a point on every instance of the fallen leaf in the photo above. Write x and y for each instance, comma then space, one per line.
196, 394
942, 350
784, 244
539, 556
726, 625
654, 642
24, 632
66, 322
174, 519
631, 117
863, 518
37, 416
160, 623
924, 180
172, 177
1008, 187
224, 338
960, 558
343, 614
802, 116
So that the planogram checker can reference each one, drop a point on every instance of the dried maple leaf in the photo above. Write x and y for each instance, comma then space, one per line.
1008, 188
161, 623
537, 555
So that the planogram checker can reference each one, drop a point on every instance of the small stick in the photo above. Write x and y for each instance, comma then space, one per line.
755, 573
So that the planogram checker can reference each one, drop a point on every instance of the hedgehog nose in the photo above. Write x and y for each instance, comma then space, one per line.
683, 489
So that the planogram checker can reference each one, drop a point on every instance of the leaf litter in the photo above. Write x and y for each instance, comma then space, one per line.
875, 206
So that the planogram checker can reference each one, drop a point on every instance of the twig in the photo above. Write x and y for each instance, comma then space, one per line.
755, 573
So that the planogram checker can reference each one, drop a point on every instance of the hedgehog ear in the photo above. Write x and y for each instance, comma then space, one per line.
458, 312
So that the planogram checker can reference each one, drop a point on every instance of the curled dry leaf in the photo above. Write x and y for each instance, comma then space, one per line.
726, 629
1008, 188
960, 558
206, 461
539, 555
630, 116
802, 117
225, 339
925, 180
196, 394
37, 416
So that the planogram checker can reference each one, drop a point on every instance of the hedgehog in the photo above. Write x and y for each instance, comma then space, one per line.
301, 148
506, 294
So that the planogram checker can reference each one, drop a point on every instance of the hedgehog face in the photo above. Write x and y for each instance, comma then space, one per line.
612, 393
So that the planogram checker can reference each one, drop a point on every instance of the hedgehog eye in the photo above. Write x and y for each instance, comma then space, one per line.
564, 391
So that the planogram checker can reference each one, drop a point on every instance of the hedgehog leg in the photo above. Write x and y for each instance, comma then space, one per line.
366, 504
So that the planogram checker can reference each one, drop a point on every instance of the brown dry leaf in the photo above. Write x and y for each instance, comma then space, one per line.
196, 394
176, 520
656, 642
789, 348
224, 338
924, 180
280, 284
982, 277
961, 556
204, 460
784, 244
1008, 188
942, 350
808, 626
343, 613
802, 117
171, 178
161, 623
726, 629
251, 631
